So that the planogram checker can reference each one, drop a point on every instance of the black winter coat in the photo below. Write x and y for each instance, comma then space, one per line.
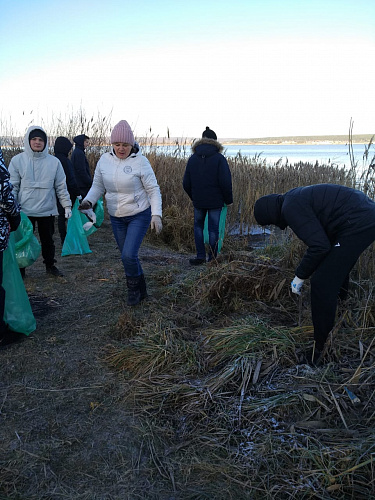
62, 148
81, 166
319, 215
207, 179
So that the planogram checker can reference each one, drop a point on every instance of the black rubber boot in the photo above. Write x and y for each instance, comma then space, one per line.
134, 293
142, 287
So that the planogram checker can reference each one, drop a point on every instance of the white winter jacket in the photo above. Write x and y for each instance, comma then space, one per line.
37, 179
129, 184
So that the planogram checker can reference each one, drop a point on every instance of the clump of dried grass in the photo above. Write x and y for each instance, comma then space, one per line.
230, 408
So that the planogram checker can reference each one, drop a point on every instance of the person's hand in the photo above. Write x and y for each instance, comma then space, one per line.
79, 197
68, 213
156, 223
90, 214
296, 285
85, 205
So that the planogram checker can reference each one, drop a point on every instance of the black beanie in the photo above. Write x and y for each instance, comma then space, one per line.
209, 134
37, 132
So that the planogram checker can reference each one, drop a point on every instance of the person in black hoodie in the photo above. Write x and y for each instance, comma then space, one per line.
208, 183
337, 223
81, 165
62, 148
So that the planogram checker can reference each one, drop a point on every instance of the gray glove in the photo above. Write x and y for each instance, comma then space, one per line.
156, 223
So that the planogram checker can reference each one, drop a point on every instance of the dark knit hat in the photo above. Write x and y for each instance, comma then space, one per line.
37, 132
209, 134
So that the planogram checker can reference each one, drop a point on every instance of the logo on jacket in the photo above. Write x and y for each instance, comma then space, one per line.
128, 170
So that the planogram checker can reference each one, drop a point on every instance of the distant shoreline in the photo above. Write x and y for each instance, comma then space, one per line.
274, 141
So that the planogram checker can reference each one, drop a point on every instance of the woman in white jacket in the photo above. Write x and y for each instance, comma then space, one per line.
133, 201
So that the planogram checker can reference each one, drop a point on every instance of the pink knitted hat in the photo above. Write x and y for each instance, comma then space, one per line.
122, 133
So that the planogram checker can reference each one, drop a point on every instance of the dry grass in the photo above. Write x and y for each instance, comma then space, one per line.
227, 405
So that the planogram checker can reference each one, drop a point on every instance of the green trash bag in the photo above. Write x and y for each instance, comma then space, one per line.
27, 246
223, 216
75, 242
18, 314
99, 212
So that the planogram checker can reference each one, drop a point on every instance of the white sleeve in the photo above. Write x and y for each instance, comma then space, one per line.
152, 188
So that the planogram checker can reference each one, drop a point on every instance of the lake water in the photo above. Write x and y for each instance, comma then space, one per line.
337, 154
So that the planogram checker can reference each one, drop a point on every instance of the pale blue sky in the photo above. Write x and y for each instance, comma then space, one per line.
246, 68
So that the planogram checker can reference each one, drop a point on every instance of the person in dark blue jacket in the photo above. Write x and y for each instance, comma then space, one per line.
81, 165
337, 223
208, 183
62, 148
10, 219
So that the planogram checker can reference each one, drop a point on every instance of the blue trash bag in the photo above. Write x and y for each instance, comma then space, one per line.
223, 217
27, 246
99, 212
18, 314
75, 242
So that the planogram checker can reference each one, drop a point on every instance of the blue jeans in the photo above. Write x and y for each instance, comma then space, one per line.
213, 231
129, 233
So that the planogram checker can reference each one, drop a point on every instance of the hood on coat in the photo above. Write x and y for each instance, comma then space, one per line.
205, 141
62, 146
79, 140
27, 146
267, 210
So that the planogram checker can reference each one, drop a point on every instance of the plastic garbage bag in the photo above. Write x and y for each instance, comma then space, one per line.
223, 217
99, 216
18, 314
75, 242
27, 246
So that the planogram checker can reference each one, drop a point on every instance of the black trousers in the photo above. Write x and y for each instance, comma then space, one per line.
2, 297
61, 222
46, 229
330, 280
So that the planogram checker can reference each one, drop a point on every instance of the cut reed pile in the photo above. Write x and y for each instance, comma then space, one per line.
215, 371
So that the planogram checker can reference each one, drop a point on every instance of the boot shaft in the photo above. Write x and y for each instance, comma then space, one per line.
134, 293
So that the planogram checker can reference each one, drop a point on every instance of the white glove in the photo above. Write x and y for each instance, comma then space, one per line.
156, 223
297, 285
68, 213
79, 197
90, 214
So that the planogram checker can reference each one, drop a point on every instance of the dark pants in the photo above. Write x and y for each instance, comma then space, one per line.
330, 281
2, 297
46, 229
213, 231
61, 221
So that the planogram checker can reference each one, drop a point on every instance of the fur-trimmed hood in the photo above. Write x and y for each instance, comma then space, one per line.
200, 146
